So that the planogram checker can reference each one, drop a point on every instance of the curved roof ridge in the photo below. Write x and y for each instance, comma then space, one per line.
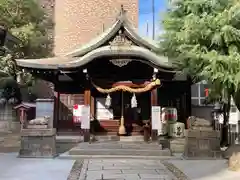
133, 51
95, 42
158, 61
153, 45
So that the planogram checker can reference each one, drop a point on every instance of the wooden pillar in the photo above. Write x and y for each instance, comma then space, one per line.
23, 117
92, 106
154, 102
87, 97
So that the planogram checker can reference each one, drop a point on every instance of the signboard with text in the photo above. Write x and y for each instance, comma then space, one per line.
85, 121
156, 117
77, 113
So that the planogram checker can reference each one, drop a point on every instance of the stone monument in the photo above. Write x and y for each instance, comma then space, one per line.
202, 141
234, 162
38, 138
232, 153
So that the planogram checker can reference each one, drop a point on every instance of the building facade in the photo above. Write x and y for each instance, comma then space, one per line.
118, 66
100, 57
77, 22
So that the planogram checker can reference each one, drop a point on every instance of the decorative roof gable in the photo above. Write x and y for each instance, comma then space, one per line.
119, 40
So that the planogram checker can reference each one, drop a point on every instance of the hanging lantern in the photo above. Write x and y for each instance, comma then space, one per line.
108, 101
206, 92
12, 100
20, 78
3, 100
134, 101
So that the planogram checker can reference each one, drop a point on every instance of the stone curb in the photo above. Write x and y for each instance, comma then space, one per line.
76, 170
175, 171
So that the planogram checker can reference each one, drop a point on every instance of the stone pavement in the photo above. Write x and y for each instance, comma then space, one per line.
205, 169
13, 168
123, 169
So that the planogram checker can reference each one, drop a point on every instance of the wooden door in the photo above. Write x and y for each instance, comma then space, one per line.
134, 117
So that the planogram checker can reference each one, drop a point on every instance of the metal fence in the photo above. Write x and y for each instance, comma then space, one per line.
233, 132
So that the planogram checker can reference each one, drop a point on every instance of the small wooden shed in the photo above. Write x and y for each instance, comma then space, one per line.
26, 111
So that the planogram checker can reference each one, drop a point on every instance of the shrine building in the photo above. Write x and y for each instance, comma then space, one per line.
119, 74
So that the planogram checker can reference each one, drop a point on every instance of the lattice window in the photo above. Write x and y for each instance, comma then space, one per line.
198, 92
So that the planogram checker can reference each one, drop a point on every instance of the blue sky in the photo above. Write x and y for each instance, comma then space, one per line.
145, 15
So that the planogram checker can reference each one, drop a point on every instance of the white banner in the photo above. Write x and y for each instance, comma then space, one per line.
156, 117
85, 120
77, 113
77, 110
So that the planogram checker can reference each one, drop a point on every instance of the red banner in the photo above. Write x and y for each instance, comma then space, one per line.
76, 119
77, 113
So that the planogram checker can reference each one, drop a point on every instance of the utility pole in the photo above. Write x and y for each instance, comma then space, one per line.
153, 19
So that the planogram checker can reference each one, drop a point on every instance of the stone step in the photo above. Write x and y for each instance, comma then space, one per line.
69, 139
108, 137
120, 148
131, 138
119, 145
120, 152
75, 157
136, 138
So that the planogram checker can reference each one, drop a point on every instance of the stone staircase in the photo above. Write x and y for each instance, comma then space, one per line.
110, 127
122, 148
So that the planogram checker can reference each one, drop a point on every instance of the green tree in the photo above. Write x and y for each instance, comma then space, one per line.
203, 39
26, 20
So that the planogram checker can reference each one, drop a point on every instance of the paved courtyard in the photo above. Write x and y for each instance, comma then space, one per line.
124, 169
13, 168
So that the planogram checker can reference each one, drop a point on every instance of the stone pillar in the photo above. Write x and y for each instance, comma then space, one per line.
202, 141
37, 142
45, 107
38, 138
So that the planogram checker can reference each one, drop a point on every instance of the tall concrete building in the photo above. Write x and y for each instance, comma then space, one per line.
79, 21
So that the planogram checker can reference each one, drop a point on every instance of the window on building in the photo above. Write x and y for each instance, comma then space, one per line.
198, 91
